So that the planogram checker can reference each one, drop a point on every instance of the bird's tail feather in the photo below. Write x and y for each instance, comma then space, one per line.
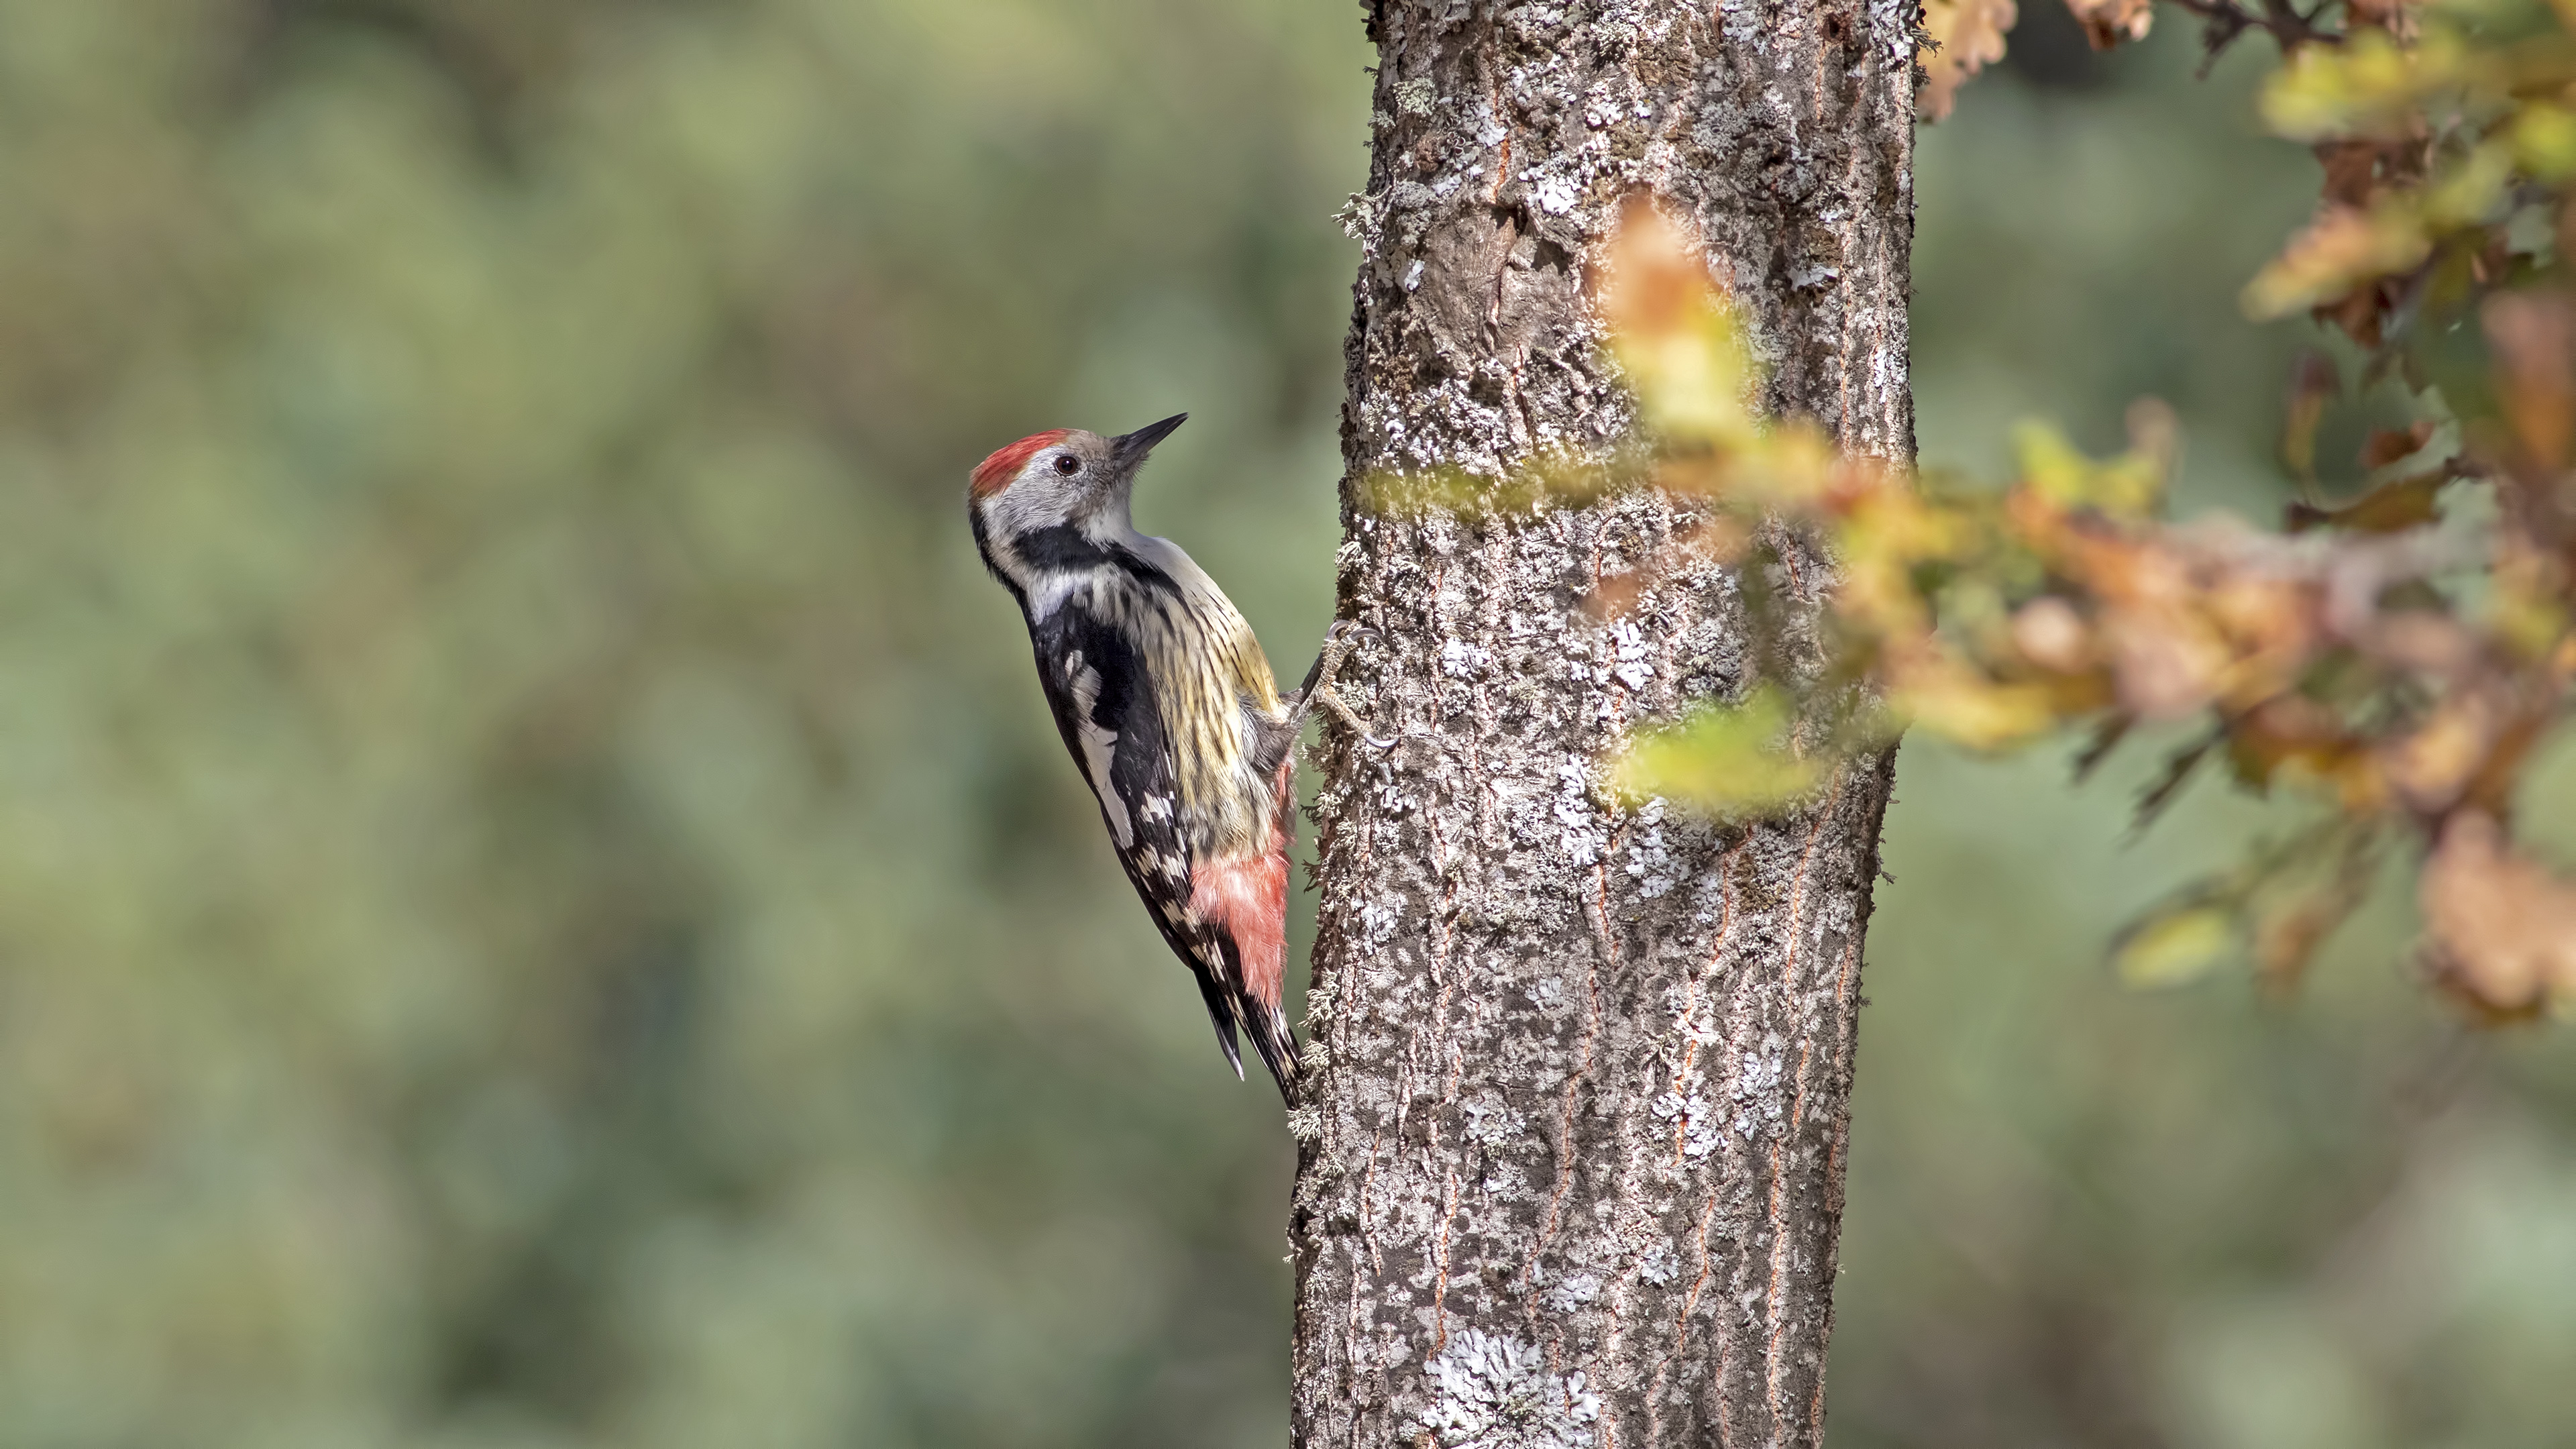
1230, 1010
1267, 1025
1222, 1011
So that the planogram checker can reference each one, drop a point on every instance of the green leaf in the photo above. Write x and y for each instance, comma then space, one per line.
1730, 762
2544, 141
2368, 86
2127, 486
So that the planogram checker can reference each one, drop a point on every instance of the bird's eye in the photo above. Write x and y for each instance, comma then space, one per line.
1067, 464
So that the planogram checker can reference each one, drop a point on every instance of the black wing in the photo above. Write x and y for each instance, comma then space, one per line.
1115, 734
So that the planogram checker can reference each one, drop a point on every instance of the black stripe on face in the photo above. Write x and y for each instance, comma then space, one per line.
1066, 549
1061, 549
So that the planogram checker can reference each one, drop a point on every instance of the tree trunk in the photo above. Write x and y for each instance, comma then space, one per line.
1572, 1158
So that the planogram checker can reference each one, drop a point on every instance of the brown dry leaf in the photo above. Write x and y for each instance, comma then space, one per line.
2491, 788
2388, 445
1658, 284
2287, 938
2389, 508
2314, 382
2359, 171
2273, 621
2168, 667
2422, 641
2119, 569
1721, 539
2179, 768
2340, 253
2430, 764
2352, 171
2493, 262
2534, 338
2292, 733
1970, 34
2108, 22
2288, 931
2359, 315
2050, 634
1718, 539
1615, 597
2502, 930
2168, 660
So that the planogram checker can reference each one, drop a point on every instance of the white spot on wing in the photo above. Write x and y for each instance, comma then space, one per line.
1098, 745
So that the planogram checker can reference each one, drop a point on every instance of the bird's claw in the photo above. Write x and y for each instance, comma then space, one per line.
1338, 642
1333, 706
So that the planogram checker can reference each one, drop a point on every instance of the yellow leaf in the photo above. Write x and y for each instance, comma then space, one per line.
1677, 337
2472, 190
2343, 248
1727, 762
1791, 466
2368, 86
1901, 526
2526, 613
2125, 487
2544, 141
2175, 946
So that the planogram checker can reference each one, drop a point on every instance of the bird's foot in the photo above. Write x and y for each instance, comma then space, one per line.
1318, 688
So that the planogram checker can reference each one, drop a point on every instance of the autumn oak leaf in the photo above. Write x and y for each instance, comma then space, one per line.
2109, 22
1967, 36
2500, 930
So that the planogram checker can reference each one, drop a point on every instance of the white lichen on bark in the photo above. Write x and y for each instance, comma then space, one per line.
1572, 1154
1491, 1392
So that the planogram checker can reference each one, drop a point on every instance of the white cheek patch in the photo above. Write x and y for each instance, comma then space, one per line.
1049, 592
1098, 746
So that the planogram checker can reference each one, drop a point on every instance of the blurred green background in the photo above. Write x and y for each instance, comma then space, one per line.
539, 905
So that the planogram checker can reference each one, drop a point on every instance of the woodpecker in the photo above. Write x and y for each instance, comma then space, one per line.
1168, 708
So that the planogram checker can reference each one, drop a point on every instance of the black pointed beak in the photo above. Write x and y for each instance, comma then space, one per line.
1129, 449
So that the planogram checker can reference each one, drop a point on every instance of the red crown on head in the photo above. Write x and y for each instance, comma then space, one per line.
1004, 464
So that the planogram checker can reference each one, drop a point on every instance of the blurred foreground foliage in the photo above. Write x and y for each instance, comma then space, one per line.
2189, 1219
2396, 652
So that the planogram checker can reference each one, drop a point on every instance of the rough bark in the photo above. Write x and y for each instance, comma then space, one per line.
1572, 1158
